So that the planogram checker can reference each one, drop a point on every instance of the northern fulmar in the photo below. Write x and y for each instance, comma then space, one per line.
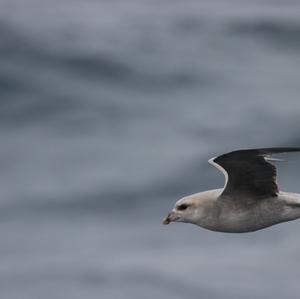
250, 199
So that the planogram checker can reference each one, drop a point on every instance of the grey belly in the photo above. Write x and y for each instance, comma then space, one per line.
242, 224
251, 218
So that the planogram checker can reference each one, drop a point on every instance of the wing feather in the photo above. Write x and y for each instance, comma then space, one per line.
249, 172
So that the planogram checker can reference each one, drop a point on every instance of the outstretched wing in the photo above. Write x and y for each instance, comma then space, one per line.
248, 171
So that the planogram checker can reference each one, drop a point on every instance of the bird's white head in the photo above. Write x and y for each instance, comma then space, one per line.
188, 209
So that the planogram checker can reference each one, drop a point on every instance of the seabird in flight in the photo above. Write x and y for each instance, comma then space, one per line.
250, 199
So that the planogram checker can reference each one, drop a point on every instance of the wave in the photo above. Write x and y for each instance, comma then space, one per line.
102, 67
281, 34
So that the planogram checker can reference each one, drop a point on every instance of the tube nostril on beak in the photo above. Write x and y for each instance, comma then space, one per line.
166, 220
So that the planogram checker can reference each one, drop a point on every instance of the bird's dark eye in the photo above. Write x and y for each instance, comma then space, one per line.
182, 207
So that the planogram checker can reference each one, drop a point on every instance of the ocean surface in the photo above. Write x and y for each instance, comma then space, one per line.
109, 111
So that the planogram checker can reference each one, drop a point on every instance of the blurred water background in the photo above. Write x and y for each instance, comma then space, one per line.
109, 111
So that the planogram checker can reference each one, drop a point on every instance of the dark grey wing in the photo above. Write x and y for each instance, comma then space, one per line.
248, 172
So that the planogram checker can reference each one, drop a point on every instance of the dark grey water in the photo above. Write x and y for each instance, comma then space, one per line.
109, 111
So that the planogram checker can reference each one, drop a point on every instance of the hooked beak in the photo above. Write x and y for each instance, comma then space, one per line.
170, 218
